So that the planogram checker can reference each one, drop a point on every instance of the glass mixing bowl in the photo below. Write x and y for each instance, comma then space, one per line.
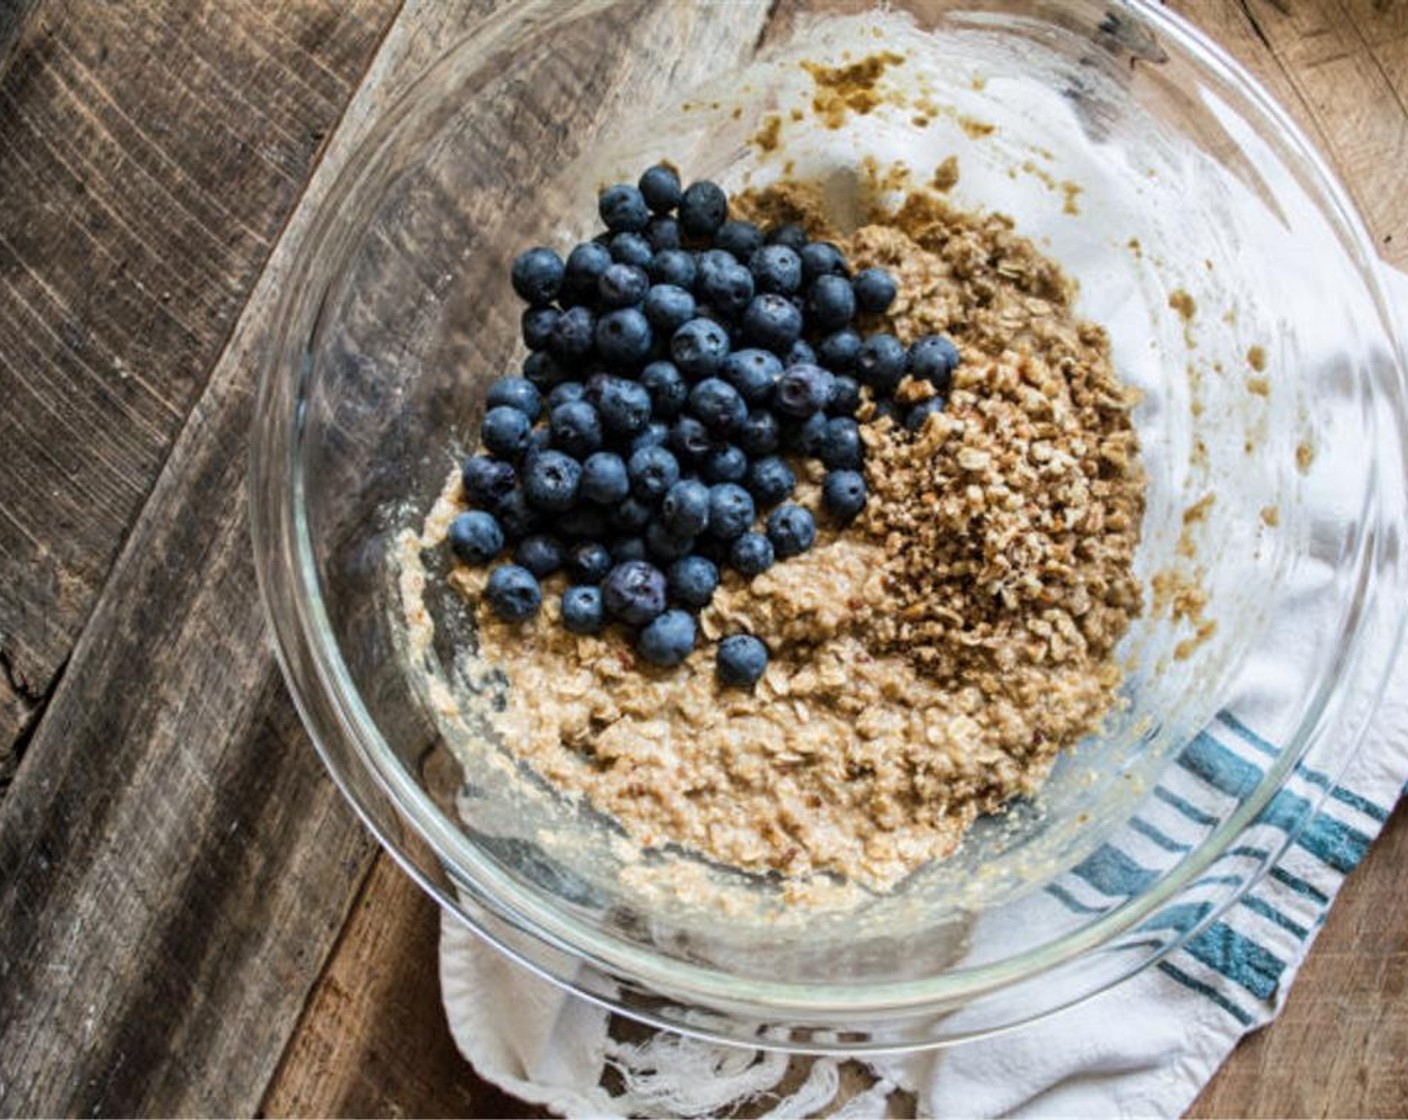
1242, 298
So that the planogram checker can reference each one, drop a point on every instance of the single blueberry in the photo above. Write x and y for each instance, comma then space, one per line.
880, 363
759, 433
475, 537
699, 348
653, 471
667, 388
541, 368
776, 269
576, 428
731, 510
628, 548
584, 522
717, 405
800, 353
684, 511
632, 249
668, 640
690, 440
537, 275
516, 392
622, 285
604, 478
623, 207
838, 350
663, 546
634, 592
821, 258
673, 266
751, 554
668, 308
540, 554
631, 516
770, 480
728, 463
660, 187
742, 239
753, 373
843, 493
663, 233
513, 593
654, 434
692, 581
563, 392
572, 335
875, 290
505, 431
588, 562
831, 303
845, 396
582, 610
515, 515
790, 235
585, 264
535, 324
623, 337
551, 479
933, 358
741, 661
804, 437
915, 417
771, 321
487, 480
802, 390
841, 447
624, 406
726, 289
703, 208
791, 529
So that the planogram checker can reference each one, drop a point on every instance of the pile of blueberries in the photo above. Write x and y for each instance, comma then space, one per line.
675, 360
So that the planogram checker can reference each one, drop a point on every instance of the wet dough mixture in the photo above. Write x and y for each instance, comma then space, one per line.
929, 662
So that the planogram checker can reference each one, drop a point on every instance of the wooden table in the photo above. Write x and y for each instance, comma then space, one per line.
193, 921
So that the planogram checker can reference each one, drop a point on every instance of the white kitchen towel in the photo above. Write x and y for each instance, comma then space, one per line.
1144, 1048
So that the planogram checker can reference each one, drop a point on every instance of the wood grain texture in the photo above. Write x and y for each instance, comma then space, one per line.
149, 156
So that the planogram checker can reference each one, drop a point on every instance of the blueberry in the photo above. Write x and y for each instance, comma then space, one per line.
537, 275
623, 337
771, 321
831, 303
564, 392
843, 493
668, 640
631, 515
731, 510
692, 581
634, 592
662, 546
776, 268
588, 562
653, 471
791, 529
631, 249
624, 406
550, 481
699, 348
540, 554
582, 610
800, 353
690, 440
875, 290
515, 515
505, 431
717, 405
845, 396
576, 428
880, 363
654, 434
516, 392
623, 207
667, 388
741, 661
751, 554
541, 368
684, 511
703, 208
536, 325
753, 373
663, 233
742, 239
572, 335
585, 264
725, 464
838, 351
581, 523
668, 308
513, 593
759, 433
790, 235
770, 480
726, 289
622, 285
841, 447
933, 358
673, 266
887, 409
604, 478
805, 438
660, 187
802, 390
487, 481
915, 417
475, 537
624, 549
821, 258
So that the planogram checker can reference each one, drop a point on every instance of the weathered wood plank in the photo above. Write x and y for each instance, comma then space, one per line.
149, 156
